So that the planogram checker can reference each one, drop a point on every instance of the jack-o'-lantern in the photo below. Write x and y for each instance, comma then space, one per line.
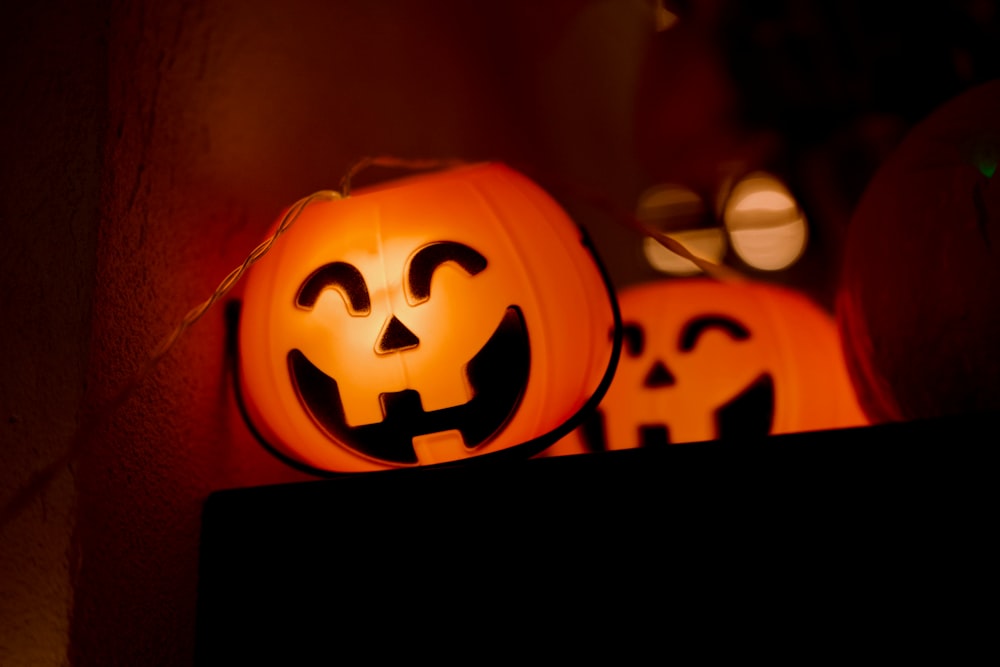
704, 359
918, 300
427, 320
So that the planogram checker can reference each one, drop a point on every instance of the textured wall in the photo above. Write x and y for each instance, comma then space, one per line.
52, 70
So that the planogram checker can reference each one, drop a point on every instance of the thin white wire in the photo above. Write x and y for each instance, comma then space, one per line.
234, 276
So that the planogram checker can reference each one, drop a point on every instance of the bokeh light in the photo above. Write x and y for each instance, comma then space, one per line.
766, 225
681, 214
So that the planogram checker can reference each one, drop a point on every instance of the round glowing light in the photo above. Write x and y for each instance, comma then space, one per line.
766, 226
679, 212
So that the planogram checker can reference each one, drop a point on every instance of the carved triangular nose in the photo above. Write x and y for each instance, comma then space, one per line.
659, 376
395, 337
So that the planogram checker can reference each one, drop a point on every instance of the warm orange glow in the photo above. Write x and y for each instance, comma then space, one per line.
705, 360
680, 213
766, 226
431, 319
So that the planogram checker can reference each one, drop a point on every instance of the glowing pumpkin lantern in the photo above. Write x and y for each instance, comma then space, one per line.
427, 320
919, 295
706, 360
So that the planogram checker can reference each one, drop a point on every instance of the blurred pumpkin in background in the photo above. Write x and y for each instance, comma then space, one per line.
704, 359
429, 319
918, 299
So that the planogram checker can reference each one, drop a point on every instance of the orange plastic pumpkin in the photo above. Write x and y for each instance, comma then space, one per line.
431, 319
706, 360
919, 292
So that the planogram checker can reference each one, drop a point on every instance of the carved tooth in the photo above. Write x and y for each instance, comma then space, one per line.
439, 447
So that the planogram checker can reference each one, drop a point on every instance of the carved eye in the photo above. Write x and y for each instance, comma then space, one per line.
426, 260
342, 277
633, 339
698, 326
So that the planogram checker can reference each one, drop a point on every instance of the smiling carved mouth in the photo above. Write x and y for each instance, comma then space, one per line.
749, 414
498, 375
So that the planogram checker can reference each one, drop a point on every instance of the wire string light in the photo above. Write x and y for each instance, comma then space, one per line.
92, 420
234, 276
